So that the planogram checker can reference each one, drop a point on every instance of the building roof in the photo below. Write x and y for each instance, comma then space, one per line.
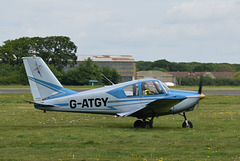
179, 74
223, 74
152, 73
106, 58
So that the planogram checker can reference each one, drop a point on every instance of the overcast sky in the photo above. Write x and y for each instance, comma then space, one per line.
149, 30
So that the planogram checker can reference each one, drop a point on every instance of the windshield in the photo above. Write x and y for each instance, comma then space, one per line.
151, 88
165, 87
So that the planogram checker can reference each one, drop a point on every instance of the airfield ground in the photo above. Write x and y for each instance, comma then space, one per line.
30, 134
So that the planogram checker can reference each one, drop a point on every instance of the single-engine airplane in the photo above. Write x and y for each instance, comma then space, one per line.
144, 98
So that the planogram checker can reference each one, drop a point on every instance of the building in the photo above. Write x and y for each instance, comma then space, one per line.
163, 76
124, 64
209, 74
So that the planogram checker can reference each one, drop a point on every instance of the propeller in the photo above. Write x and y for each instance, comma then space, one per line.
200, 85
201, 95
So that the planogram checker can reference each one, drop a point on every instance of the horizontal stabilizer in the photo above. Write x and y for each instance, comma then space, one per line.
41, 104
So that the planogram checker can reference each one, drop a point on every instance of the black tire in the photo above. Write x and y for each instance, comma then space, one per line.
138, 124
147, 125
190, 125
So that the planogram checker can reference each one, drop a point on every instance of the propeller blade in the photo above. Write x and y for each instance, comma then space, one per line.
201, 96
200, 85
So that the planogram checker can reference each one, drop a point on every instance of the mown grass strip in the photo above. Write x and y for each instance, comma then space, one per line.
30, 134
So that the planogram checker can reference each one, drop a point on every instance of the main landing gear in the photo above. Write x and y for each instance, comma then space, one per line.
147, 123
144, 123
186, 123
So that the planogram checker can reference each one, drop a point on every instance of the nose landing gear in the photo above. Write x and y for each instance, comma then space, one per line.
186, 123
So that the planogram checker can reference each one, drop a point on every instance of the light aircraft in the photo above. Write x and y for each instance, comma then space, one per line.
144, 98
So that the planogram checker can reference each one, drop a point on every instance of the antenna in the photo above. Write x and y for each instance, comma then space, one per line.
108, 79
34, 55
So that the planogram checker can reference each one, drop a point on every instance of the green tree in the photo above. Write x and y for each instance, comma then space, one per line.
188, 81
144, 65
204, 67
187, 67
59, 73
159, 69
12, 74
224, 68
13, 50
162, 64
111, 74
56, 50
236, 77
87, 70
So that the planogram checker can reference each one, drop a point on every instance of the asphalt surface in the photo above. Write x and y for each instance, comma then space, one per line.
21, 90
204, 92
221, 92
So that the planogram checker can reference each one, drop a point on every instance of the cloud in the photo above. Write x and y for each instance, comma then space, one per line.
199, 11
207, 21
176, 29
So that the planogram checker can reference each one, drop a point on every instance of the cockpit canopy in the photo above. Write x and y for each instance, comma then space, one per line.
144, 88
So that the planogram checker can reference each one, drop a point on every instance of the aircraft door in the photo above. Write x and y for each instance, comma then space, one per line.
132, 92
149, 90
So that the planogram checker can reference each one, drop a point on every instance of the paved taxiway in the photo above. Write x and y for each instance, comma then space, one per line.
205, 92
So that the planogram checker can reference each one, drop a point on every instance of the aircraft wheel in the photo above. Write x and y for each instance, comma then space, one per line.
190, 125
147, 125
138, 123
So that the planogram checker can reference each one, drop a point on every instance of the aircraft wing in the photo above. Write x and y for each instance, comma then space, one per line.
155, 108
125, 114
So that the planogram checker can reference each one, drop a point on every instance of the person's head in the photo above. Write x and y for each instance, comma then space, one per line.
146, 86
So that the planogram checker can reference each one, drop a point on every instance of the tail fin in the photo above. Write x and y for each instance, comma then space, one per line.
44, 85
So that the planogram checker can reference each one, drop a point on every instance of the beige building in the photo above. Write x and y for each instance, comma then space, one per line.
163, 76
124, 64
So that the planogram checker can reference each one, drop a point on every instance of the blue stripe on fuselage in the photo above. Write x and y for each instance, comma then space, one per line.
183, 93
60, 90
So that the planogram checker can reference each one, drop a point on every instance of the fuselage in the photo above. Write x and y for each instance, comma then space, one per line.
121, 98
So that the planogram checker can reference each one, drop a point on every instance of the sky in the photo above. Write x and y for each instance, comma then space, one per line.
149, 30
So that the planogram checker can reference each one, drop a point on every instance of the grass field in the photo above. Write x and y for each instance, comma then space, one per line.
30, 134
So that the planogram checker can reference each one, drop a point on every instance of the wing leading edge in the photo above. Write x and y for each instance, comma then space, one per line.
155, 108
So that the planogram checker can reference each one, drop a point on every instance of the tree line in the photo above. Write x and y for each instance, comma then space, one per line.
57, 52
208, 81
60, 51
166, 66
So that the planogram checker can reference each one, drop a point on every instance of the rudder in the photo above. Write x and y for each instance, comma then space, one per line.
43, 83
